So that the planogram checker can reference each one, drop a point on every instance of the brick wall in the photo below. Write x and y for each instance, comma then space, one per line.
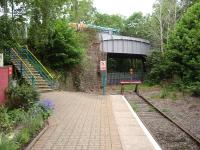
90, 79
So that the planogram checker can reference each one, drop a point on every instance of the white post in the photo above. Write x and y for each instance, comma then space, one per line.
1, 60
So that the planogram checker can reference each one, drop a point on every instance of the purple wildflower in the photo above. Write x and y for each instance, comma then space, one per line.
47, 104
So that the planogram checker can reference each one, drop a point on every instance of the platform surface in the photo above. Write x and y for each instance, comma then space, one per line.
90, 122
133, 134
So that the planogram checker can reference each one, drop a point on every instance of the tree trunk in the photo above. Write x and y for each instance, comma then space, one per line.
12, 5
161, 29
5, 7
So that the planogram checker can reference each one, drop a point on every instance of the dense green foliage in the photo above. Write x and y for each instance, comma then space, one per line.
21, 96
7, 144
38, 24
158, 68
181, 61
136, 25
6, 39
28, 122
112, 21
184, 49
63, 48
80, 10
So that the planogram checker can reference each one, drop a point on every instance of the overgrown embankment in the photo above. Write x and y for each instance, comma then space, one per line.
179, 65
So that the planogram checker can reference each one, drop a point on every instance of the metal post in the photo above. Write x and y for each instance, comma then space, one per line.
136, 88
103, 80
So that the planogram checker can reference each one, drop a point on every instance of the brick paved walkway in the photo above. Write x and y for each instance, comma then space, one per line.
80, 122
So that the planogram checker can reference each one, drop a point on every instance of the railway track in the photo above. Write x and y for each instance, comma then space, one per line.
169, 133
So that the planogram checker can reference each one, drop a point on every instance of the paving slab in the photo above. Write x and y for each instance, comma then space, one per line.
80, 122
91, 122
133, 134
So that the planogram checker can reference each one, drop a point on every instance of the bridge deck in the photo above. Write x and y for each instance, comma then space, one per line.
124, 45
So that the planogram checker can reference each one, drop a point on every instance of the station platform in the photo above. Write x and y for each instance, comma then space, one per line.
133, 134
82, 121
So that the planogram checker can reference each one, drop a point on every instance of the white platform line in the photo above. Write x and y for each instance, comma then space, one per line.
149, 136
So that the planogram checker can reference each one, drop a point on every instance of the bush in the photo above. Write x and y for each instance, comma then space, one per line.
159, 68
32, 120
35, 118
195, 88
184, 49
24, 136
32, 123
5, 123
11, 119
21, 96
180, 63
62, 51
7, 144
17, 116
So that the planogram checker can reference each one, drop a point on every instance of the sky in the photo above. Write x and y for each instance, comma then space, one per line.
124, 7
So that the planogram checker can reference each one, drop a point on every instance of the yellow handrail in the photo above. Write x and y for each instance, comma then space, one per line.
39, 63
22, 62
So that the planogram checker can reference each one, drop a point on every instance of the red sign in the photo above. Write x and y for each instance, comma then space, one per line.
103, 66
10, 70
3, 83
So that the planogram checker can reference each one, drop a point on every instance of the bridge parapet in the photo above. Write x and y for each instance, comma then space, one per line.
124, 45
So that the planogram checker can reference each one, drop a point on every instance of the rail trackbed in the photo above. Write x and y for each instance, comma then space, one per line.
170, 134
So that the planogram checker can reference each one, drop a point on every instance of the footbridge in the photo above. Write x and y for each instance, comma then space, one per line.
133, 49
116, 44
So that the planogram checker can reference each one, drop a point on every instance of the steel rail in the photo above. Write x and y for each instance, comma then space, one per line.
191, 135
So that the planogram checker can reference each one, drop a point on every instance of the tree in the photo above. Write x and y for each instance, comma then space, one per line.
6, 39
42, 14
80, 10
63, 51
184, 49
136, 25
163, 19
112, 21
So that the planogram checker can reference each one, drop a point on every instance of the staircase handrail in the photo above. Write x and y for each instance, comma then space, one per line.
23, 63
27, 54
47, 72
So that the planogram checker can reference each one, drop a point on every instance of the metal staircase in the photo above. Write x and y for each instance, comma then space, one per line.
31, 69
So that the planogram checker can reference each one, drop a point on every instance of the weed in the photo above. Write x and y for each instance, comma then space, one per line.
135, 107
151, 109
24, 136
164, 93
6, 124
165, 110
155, 96
173, 96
